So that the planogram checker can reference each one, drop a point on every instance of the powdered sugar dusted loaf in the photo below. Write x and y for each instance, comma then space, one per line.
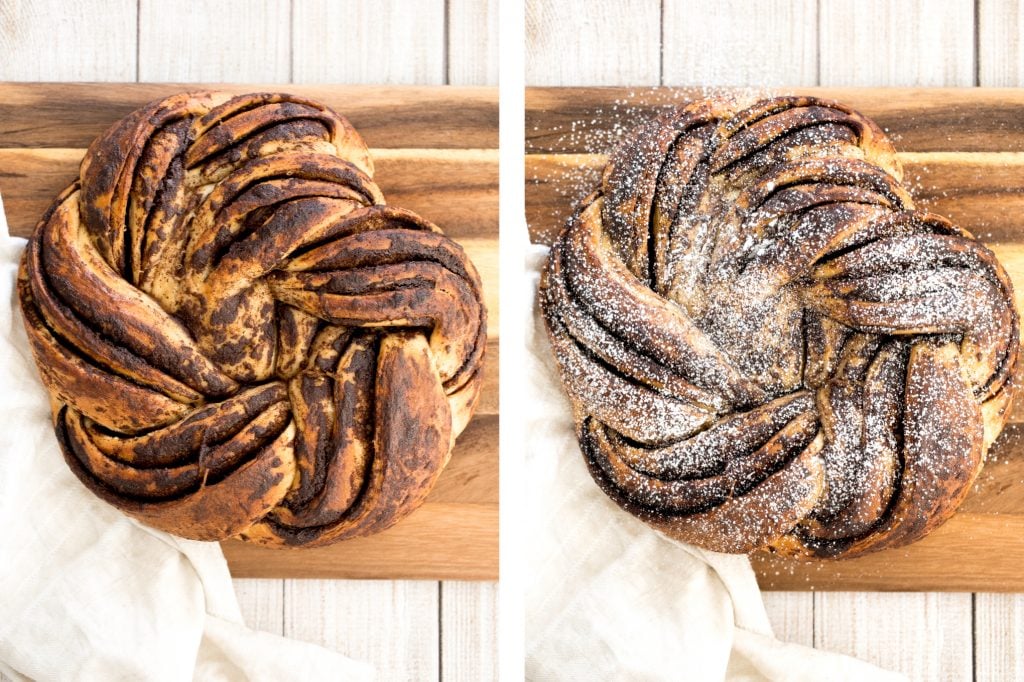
766, 345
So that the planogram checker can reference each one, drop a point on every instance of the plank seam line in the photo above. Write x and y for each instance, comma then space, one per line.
446, 37
814, 619
974, 636
817, 43
440, 627
977, 43
661, 43
138, 40
291, 41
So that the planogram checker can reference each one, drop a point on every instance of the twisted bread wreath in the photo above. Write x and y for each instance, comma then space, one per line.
765, 345
238, 336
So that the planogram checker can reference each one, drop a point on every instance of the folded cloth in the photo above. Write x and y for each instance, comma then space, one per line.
88, 594
608, 598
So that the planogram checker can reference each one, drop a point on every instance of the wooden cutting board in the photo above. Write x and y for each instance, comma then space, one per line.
963, 152
435, 151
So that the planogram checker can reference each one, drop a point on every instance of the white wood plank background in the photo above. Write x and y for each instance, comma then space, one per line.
928, 636
411, 630
592, 42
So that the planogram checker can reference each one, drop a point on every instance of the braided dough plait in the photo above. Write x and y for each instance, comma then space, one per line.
239, 337
765, 345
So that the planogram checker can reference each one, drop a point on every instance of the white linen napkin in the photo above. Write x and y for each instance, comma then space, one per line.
608, 598
88, 594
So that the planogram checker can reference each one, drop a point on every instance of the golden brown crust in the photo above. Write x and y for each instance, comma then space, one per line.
766, 345
239, 337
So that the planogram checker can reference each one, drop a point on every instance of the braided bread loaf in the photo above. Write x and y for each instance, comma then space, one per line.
239, 337
766, 345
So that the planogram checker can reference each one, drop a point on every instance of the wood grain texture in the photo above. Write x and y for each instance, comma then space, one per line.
791, 615
979, 191
999, 637
453, 535
262, 603
924, 636
1000, 47
457, 189
72, 114
988, 555
90, 40
593, 42
403, 643
767, 43
905, 43
214, 40
441, 540
472, 42
469, 635
920, 119
349, 41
